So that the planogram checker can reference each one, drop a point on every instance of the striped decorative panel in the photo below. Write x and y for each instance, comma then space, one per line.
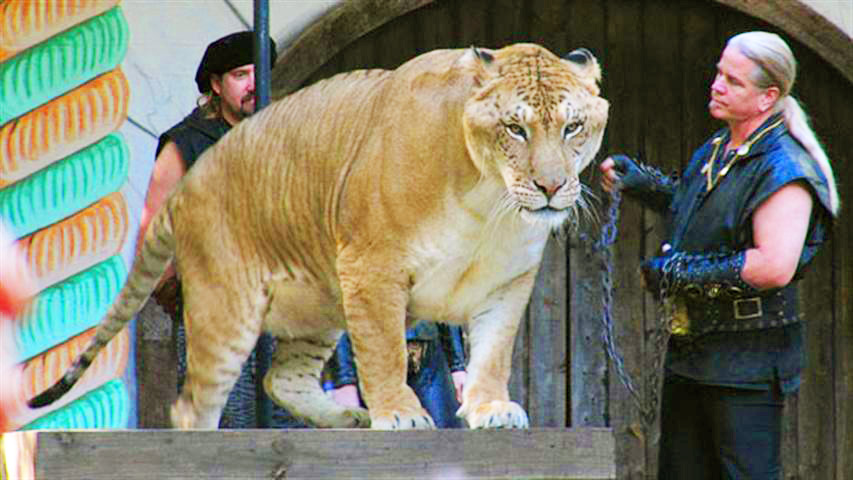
62, 167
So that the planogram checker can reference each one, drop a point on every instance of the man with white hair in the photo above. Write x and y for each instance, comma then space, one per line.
749, 213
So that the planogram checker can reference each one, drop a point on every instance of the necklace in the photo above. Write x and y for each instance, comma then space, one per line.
708, 169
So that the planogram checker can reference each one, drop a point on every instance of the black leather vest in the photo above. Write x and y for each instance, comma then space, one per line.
193, 135
720, 219
742, 342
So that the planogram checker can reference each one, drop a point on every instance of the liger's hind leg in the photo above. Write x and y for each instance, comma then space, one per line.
221, 334
293, 382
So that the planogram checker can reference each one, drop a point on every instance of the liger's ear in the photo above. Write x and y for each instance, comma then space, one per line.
585, 65
479, 62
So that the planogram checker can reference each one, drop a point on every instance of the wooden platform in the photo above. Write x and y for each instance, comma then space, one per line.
322, 454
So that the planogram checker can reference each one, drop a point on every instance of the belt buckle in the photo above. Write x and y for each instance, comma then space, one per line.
752, 305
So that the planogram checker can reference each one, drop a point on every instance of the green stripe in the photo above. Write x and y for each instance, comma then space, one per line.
62, 63
105, 407
69, 308
66, 187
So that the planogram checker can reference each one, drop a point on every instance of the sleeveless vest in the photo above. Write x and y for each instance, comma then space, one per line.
193, 135
742, 341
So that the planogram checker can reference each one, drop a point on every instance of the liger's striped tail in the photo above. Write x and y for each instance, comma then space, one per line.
148, 267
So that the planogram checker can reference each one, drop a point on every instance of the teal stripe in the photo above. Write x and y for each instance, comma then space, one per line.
104, 407
66, 187
69, 308
62, 63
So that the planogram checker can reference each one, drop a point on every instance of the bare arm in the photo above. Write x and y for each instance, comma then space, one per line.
168, 170
169, 167
779, 228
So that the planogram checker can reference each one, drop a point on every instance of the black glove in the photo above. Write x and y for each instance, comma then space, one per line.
652, 270
342, 364
645, 183
707, 275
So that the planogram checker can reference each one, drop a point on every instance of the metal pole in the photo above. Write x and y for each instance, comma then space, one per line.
264, 348
262, 54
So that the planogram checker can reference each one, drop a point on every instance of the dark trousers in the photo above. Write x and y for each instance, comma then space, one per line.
710, 432
433, 385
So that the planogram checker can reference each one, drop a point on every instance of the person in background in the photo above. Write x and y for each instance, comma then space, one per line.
226, 81
436, 360
743, 222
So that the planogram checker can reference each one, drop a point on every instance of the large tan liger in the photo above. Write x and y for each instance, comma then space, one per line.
429, 190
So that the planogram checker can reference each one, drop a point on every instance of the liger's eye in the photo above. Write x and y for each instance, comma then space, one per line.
572, 129
517, 131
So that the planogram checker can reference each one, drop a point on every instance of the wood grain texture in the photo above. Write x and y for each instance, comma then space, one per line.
320, 454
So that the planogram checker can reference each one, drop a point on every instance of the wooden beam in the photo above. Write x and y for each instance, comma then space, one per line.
806, 25
298, 453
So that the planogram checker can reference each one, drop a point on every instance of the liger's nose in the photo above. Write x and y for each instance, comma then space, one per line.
549, 187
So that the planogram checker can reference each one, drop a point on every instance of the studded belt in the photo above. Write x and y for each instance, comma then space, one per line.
729, 313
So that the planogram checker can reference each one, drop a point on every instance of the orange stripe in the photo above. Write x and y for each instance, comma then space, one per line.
29, 144
77, 242
24, 23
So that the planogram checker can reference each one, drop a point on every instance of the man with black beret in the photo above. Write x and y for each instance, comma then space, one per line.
226, 81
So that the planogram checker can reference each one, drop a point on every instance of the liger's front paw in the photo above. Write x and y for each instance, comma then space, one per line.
496, 414
401, 419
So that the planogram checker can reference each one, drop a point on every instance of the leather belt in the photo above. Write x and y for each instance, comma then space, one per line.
773, 309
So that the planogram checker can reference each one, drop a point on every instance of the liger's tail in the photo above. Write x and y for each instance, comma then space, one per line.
150, 264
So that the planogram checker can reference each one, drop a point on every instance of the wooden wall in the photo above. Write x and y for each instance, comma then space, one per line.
658, 59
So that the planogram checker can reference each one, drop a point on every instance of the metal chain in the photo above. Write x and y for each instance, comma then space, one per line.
660, 336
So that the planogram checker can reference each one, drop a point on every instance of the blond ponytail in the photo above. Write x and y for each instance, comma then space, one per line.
777, 67
798, 125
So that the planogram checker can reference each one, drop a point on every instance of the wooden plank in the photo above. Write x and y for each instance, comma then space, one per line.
320, 454
816, 446
827, 96
623, 70
548, 356
699, 55
436, 26
838, 147
508, 22
471, 19
396, 42
329, 35
548, 25
662, 144
156, 367
361, 54
583, 26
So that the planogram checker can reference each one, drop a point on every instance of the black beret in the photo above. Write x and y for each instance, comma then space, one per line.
229, 52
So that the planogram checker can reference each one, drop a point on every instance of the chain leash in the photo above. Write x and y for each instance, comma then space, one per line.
649, 408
